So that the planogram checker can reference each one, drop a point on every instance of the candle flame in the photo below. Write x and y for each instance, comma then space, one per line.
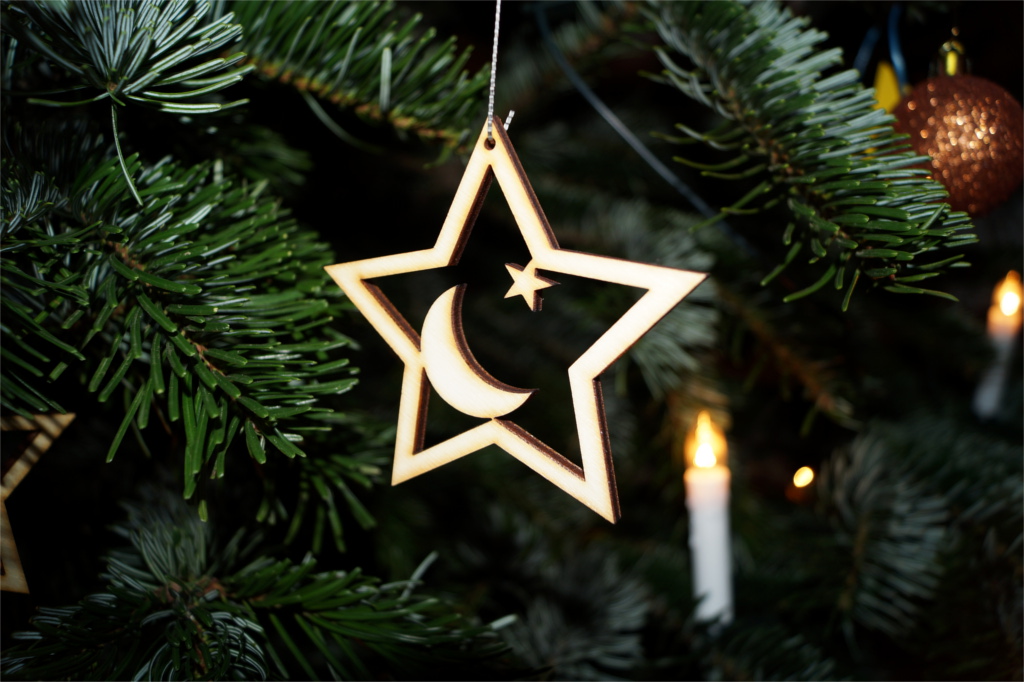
705, 457
803, 477
707, 444
1008, 294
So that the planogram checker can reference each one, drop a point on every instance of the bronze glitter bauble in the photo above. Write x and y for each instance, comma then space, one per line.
972, 129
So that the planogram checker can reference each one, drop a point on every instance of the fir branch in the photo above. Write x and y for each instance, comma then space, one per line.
206, 306
894, 526
976, 470
583, 617
929, 503
352, 453
354, 55
145, 51
261, 154
821, 386
768, 653
177, 606
162, 615
354, 622
860, 206
581, 611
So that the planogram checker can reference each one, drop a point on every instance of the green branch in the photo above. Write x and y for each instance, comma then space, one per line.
858, 201
206, 306
355, 56
178, 607
146, 51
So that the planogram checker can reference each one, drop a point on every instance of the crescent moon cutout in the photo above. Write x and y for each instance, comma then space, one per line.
453, 371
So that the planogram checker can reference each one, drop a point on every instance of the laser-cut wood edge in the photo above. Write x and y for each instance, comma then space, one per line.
535, 301
593, 484
452, 369
467, 355
47, 428
12, 575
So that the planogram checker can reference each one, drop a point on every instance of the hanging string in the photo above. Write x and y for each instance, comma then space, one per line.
494, 71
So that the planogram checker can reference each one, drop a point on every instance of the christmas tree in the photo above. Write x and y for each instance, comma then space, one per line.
176, 177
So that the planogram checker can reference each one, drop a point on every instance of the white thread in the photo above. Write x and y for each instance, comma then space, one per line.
508, 121
494, 70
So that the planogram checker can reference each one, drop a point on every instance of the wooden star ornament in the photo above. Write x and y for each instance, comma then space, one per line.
441, 359
42, 430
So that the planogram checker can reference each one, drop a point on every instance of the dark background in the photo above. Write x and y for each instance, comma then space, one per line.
371, 203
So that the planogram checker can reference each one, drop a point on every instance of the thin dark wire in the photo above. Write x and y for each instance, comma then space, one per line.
615, 122
899, 65
627, 134
867, 47
494, 71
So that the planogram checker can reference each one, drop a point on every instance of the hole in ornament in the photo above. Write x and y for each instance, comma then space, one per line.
489, 143
517, 346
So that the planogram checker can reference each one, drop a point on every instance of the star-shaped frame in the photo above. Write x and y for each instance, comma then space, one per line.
593, 484
43, 430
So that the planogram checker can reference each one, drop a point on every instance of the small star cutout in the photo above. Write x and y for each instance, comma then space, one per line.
443, 356
527, 283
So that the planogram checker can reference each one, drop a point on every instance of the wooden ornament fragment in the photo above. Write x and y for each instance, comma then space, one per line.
441, 359
42, 430
453, 371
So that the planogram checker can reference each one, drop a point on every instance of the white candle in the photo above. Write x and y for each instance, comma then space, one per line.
1004, 321
707, 499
